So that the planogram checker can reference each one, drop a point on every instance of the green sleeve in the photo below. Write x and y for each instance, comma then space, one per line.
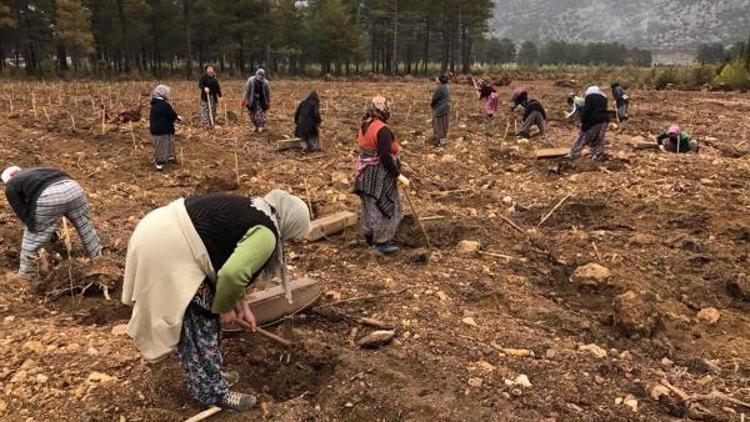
250, 255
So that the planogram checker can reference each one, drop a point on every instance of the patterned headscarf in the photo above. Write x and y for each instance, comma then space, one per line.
377, 108
161, 92
260, 73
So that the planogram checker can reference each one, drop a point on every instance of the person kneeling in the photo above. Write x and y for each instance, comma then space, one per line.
534, 114
675, 136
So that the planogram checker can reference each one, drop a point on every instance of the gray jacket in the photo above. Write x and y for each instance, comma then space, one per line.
250, 92
441, 101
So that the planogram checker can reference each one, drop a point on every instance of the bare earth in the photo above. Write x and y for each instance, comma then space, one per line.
674, 227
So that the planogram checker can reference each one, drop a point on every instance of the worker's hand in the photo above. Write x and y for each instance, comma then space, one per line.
229, 317
403, 180
206, 90
242, 308
179, 118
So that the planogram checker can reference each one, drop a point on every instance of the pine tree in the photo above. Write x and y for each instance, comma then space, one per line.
528, 54
73, 29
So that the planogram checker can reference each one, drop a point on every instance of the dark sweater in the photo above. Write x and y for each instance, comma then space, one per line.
594, 112
24, 188
213, 85
385, 140
307, 117
619, 93
441, 101
532, 106
162, 118
222, 220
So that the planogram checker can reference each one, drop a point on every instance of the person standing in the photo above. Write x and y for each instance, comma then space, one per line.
489, 97
533, 115
161, 123
210, 93
594, 122
41, 197
622, 101
377, 177
258, 99
441, 110
187, 268
307, 123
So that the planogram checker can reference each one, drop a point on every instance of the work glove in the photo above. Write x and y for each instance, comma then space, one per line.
403, 180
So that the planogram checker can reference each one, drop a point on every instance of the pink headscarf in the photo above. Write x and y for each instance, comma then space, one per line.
674, 130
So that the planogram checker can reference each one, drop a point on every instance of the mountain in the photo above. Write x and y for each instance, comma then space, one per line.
651, 24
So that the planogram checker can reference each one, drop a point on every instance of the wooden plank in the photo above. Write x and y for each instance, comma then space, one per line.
551, 152
331, 224
644, 145
285, 144
270, 305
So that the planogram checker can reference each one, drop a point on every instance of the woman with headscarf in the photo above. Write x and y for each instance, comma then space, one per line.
594, 121
533, 112
377, 174
161, 122
187, 267
488, 94
307, 123
210, 93
441, 110
677, 140
622, 101
258, 99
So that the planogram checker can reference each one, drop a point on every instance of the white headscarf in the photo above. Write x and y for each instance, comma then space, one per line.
595, 90
161, 92
292, 219
9, 172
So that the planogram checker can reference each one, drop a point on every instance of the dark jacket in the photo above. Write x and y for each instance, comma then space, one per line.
532, 106
594, 112
213, 85
441, 101
619, 93
162, 118
307, 117
24, 188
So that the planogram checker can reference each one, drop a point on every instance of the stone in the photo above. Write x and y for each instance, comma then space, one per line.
468, 247
99, 377
484, 366
41, 378
523, 381
34, 346
709, 315
631, 402
594, 350
376, 339
448, 158
636, 314
657, 391
518, 352
591, 275
475, 382
119, 330
739, 287
469, 321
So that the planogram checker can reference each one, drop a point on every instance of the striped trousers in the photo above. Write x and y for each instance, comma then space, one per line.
67, 199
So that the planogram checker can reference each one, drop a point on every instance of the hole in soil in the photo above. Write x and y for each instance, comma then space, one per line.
443, 234
309, 369
585, 212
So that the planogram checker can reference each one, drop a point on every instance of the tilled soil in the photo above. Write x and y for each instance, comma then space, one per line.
672, 228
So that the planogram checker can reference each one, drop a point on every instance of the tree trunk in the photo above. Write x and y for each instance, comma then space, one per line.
395, 36
62, 58
188, 39
124, 33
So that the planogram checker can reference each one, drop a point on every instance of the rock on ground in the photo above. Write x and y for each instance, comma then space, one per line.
468, 247
636, 314
709, 315
591, 275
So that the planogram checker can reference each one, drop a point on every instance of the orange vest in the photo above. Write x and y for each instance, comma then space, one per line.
369, 140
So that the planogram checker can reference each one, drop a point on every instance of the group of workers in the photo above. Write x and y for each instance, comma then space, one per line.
190, 262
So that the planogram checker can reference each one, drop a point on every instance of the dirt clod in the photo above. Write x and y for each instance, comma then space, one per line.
636, 314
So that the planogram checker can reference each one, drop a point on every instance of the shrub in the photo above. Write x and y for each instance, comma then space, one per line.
700, 75
735, 75
661, 78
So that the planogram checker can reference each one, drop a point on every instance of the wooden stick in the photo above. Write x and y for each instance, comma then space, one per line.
33, 104
497, 255
267, 334
512, 224
433, 218
552, 211
72, 121
237, 168
46, 115
416, 217
132, 136
104, 123
210, 112
358, 298
204, 414
309, 199
10, 102
596, 252
312, 157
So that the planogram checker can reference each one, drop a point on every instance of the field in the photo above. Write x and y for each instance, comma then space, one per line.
674, 229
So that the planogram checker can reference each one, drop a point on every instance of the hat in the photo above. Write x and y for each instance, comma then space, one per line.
379, 103
674, 130
519, 92
9, 172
